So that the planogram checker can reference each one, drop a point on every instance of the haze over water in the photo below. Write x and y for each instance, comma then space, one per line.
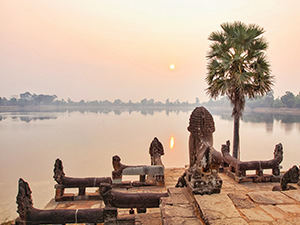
86, 141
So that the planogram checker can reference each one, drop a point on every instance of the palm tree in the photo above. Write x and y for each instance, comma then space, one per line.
238, 68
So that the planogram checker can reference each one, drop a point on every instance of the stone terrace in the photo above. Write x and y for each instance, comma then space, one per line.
246, 203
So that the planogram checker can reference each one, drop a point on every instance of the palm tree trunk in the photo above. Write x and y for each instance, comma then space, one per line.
236, 137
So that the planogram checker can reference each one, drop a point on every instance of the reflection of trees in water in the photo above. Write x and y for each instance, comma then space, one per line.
288, 127
143, 111
298, 126
269, 127
262, 117
287, 121
29, 119
288, 118
258, 118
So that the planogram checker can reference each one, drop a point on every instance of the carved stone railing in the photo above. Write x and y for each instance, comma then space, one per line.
64, 182
237, 169
153, 171
140, 201
29, 215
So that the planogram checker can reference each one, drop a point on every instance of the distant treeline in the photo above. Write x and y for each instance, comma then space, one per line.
288, 100
28, 99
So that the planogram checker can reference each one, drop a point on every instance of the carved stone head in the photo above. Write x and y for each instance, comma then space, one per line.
58, 171
201, 122
291, 176
278, 153
24, 199
116, 161
156, 147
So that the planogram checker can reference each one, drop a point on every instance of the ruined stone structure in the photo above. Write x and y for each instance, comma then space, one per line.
290, 176
237, 169
154, 172
141, 201
29, 215
64, 182
202, 175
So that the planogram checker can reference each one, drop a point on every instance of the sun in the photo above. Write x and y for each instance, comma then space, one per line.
172, 142
172, 67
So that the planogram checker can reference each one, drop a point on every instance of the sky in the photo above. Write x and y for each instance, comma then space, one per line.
117, 49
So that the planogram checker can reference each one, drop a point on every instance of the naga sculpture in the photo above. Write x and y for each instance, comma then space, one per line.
71, 182
118, 167
141, 201
237, 169
202, 175
290, 176
201, 128
29, 215
156, 150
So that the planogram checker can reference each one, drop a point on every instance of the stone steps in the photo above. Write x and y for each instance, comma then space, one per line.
179, 208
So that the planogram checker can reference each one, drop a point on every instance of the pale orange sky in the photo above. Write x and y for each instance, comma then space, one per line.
96, 50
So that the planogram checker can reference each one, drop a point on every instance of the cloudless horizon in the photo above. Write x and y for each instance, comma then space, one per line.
96, 50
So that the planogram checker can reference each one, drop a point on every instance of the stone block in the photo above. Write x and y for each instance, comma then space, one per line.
294, 209
181, 221
274, 211
294, 194
282, 222
177, 211
147, 219
256, 215
270, 198
216, 207
241, 201
178, 195
230, 221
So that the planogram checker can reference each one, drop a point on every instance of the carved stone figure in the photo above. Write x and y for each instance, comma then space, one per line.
156, 150
290, 176
118, 167
201, 128
24, 200
202, 175
58, 170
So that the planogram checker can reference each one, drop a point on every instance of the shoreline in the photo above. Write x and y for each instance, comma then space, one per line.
54, 108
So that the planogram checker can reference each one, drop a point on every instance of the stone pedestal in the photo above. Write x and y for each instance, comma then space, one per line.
204, 183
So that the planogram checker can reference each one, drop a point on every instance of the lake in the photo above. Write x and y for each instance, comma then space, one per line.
86, 141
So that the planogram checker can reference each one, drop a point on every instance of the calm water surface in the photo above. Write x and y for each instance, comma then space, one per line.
86, 142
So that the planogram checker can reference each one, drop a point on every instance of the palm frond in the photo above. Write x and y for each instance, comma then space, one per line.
237, 65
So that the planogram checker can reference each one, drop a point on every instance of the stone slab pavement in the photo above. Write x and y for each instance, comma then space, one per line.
237, 204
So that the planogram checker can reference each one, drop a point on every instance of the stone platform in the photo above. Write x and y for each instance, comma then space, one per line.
237, 204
